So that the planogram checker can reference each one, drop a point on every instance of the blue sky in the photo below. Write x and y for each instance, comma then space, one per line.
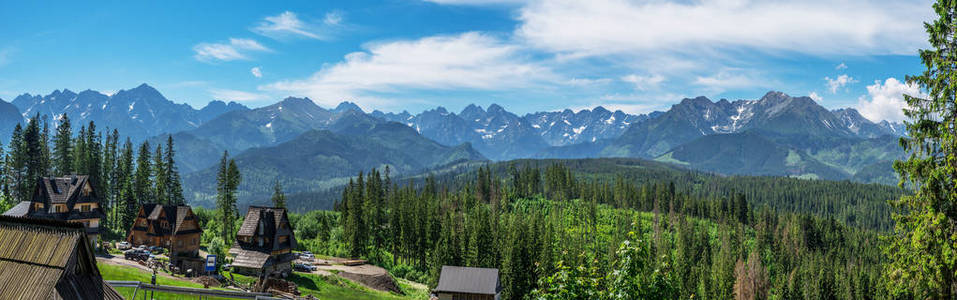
395, 55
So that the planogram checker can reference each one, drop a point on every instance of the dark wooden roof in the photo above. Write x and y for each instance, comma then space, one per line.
59, 190
175, 215
62, 189
468, 280
48, 259
253, 254
250, 259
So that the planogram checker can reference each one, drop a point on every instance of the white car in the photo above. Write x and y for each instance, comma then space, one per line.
123, 245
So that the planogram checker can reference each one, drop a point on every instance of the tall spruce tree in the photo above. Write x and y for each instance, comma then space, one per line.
278, 197
32, 151
142, 182
16, 163
45, 161
108, 181
63, 147
922, 248
227, 181
174, 188
160, 177
127, 207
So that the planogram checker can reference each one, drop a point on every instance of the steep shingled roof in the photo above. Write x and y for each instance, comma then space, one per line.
48, 259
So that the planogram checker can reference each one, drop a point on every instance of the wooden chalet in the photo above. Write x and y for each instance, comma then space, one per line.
173, 227
264, 243
48, 259
70, 199
468, 284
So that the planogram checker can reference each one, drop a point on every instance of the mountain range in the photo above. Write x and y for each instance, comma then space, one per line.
309, 148
139, 112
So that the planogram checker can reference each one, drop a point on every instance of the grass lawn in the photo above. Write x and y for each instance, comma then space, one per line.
125, 273
332, 287
323, 287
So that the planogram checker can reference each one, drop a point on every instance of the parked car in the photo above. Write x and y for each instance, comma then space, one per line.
123, 246
136, 254
300, 268
310, 267
156, 249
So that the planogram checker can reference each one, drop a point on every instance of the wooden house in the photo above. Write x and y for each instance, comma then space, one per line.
173, 227
467, 283
264, 243
71, 199
48, 259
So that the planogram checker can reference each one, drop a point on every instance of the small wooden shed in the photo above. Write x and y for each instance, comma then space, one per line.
466, 283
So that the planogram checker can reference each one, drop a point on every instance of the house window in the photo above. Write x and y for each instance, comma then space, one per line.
59, 208
84, 208
260, 242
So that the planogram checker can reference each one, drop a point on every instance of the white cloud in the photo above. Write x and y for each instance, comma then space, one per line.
815, 96
5, 55
288, 25
841, 66
728, 79
820, 27
235, 49
332, 18
468, 61
837, 83
477, 2
886, 101
236, 95
258, 73
644, 82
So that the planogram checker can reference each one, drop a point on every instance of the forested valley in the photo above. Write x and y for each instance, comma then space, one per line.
556, 233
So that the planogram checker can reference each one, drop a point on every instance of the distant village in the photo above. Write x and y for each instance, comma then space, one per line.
52, 238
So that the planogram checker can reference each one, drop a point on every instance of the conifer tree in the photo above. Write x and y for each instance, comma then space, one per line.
278, 197
63, 147
160, 177
174, 188
31, 149
227, 181
142, 184
923, 263
128, 206
16, 163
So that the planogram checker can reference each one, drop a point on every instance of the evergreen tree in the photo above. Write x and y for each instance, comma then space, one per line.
31, 149
227, 180
45, 161
94, 157
128, 206
109, 179
16, 163
142, 182
923, 245
160, 177
63, 147
174, 188
81, 160
278, 197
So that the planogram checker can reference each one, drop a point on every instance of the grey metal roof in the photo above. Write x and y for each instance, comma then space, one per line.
20, 210
468, 280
